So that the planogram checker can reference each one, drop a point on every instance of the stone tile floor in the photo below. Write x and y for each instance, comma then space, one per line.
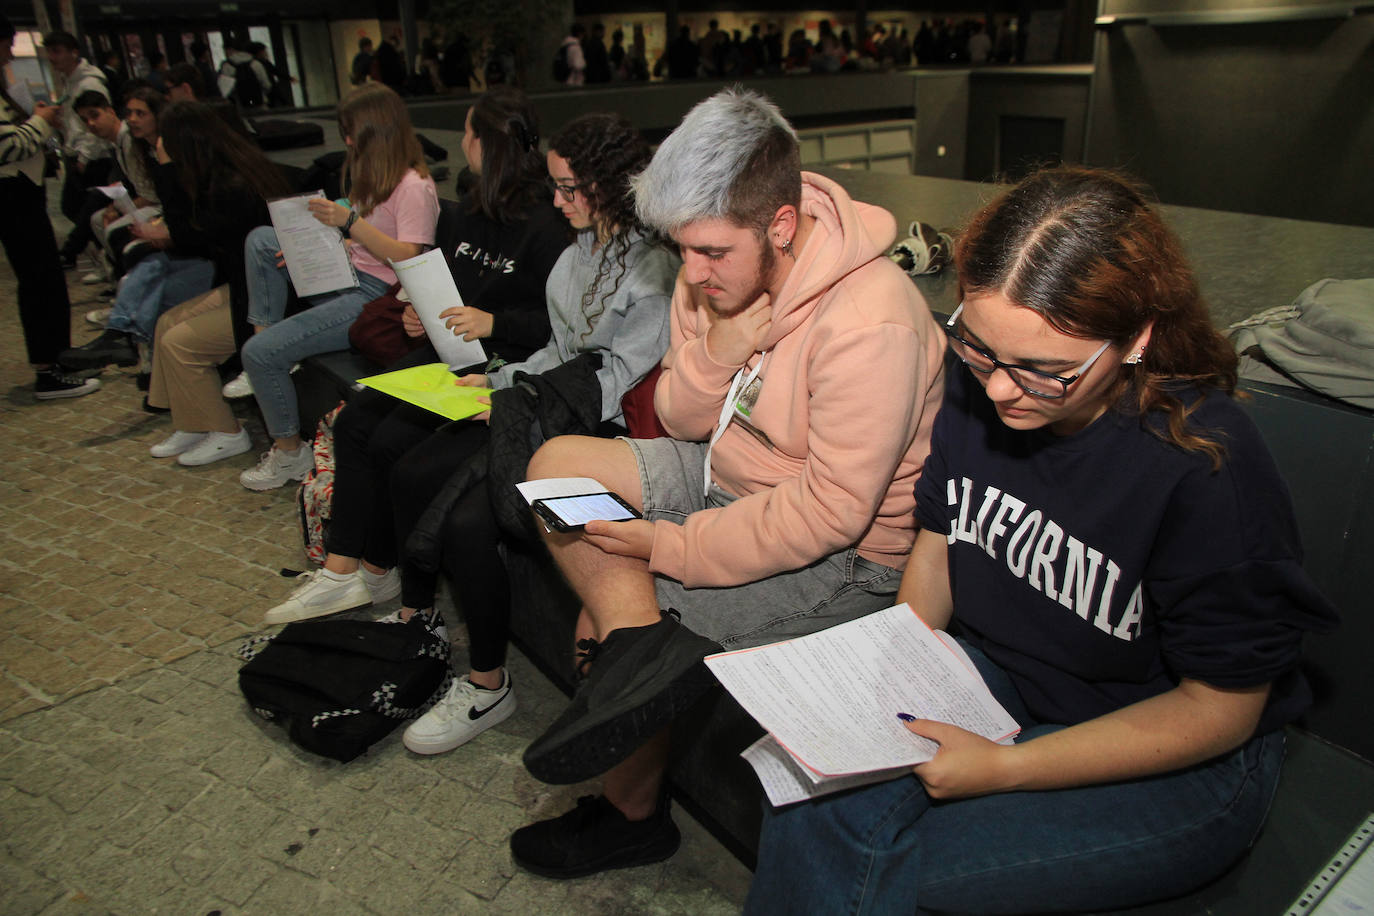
134, 779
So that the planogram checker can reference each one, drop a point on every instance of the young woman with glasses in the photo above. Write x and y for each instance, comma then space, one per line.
1103, 528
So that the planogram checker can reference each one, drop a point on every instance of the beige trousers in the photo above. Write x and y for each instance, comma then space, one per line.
192, 339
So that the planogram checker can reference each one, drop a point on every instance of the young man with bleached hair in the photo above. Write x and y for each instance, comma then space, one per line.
799, 389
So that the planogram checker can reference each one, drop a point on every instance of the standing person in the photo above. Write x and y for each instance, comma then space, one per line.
202, 60
243, 79
112, 68
86, 158
362, 62
574, 60
595, 55
781, 502
214, 186
26, 232
1107, 529
392, 211
683, 56
500, 250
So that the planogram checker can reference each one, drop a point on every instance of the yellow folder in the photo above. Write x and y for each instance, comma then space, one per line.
433, 388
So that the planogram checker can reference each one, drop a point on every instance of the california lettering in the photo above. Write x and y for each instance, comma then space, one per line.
1038, 551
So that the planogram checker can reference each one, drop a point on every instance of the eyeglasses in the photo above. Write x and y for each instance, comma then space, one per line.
568, 191
1033, 382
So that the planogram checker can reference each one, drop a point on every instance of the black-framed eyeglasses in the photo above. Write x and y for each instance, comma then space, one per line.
1033, 382
567, 191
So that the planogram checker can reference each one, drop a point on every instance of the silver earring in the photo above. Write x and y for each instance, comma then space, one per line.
787, 249
1135, 358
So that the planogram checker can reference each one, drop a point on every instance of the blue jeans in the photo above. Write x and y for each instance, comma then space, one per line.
154, 285
889, 849
281, 343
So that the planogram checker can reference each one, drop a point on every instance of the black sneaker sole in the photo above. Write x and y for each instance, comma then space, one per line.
596, 743
658, 849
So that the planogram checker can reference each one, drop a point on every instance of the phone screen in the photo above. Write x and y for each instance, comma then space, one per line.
578, 510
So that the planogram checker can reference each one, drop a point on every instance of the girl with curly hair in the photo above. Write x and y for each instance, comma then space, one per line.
607, 297
1104, 530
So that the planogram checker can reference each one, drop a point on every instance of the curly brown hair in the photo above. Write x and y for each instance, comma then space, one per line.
1085, 249
604, 151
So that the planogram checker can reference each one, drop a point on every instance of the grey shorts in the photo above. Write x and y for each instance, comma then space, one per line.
832, 590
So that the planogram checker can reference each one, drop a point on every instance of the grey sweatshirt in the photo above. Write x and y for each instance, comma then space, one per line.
631, 334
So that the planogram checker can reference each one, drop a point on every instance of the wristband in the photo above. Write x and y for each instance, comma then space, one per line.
347, 227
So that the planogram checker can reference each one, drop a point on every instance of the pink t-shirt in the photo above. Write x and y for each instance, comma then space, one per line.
408, 215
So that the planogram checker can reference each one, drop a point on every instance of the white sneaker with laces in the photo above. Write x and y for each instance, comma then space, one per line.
237, 387
464, 713
98, 317
277, 468
175, 444
384, 587
319, 594
216, 446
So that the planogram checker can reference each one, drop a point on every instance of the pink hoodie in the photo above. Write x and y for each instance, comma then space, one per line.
836, 440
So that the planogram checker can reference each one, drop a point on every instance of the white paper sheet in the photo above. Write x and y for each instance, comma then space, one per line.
316, 257
785, 781
119, 196
429, 286
550, 487
831, 699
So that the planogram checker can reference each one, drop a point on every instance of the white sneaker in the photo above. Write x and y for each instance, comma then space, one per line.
320, 593
237, 387
98, 317
384, 587
432, 619
93, 277
175, 444
277, 468
464, 713
216, 446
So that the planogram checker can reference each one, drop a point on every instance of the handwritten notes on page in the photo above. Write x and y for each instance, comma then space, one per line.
429, 286
316, 257
830, 700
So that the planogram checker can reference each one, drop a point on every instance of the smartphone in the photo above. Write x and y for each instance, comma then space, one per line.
571, 513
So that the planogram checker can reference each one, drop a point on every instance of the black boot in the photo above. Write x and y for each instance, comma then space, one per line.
111, 346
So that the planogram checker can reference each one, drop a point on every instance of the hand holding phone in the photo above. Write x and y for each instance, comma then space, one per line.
571, 513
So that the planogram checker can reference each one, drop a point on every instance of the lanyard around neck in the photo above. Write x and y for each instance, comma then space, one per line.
741, 382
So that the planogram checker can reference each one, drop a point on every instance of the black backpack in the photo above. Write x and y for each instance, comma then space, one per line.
339, 686
561, 69
247, 89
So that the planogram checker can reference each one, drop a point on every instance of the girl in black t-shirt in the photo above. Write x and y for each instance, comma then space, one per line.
1105, 531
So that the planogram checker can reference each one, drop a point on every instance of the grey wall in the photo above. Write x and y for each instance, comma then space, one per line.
1005, 101
1272, 118
658, 107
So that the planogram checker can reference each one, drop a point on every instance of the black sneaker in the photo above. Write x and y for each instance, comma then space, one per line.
54, 383
149, 408
642, 679
68, 261
594, 837
110, 347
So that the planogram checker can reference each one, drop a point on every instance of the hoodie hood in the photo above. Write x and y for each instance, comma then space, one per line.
847, 235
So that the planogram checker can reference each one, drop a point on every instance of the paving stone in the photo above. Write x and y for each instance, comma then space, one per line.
239, 877
482, 867
316, 851
133, 777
